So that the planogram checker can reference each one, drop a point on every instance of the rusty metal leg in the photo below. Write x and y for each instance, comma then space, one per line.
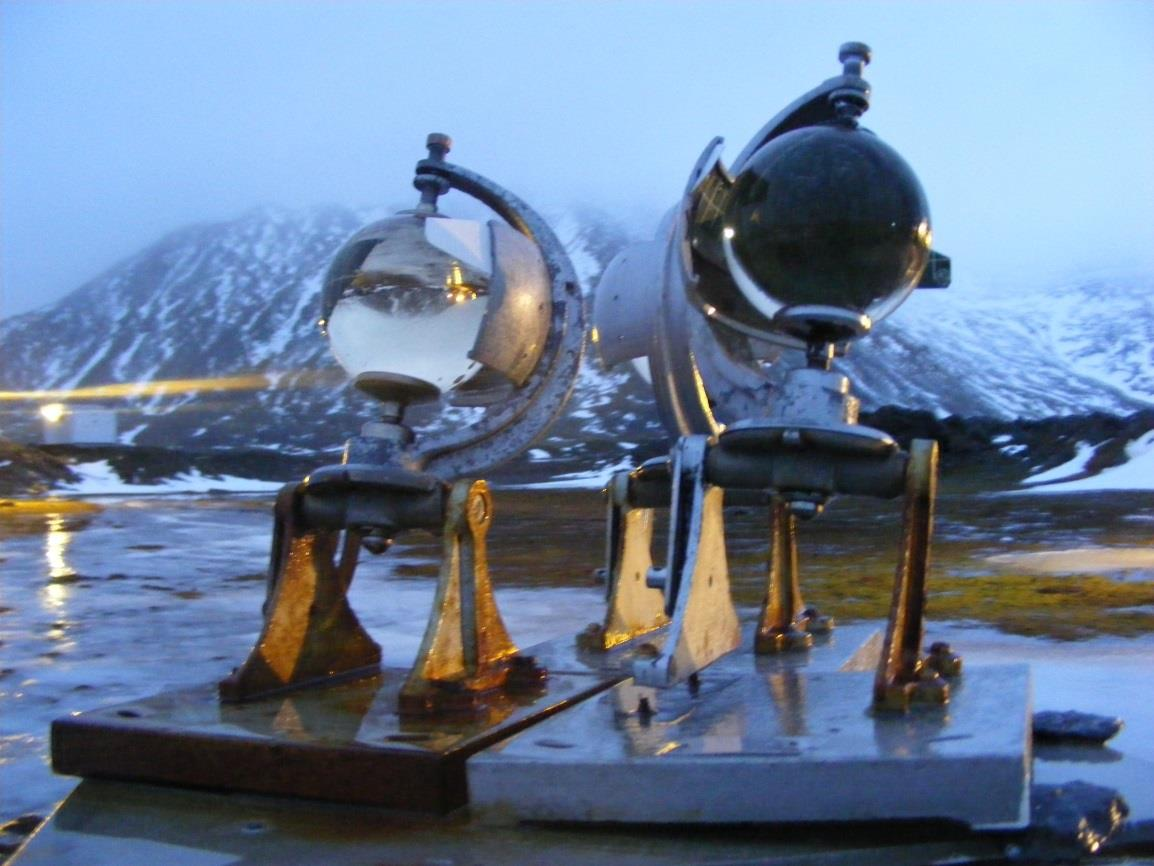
777, 629
466, 651
310, 632
634, 608
901, 676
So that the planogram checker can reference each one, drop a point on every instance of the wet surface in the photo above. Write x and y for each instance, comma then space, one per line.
151, 595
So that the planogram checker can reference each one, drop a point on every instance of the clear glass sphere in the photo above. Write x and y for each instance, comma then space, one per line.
407, 296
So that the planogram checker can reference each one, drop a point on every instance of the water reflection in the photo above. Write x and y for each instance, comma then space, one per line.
56, 542
57, 539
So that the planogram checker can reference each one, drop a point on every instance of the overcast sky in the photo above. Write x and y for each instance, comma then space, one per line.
1030, 124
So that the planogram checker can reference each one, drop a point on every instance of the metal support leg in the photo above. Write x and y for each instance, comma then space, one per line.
634, 607
466, 651
901, 676
696, 576
310, 632
777, 629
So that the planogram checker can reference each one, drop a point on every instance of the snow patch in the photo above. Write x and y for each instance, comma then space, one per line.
1136, 474
128, 437
1070, 467
100, 479
592, 479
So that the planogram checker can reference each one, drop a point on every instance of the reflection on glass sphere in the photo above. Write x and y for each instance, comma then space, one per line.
407, 295
827, 216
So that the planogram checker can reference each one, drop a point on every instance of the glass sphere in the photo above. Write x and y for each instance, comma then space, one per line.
407, 296
827, 216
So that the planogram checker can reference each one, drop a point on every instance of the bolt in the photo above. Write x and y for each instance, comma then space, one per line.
656, 578
439, 144
648, 650
854, 56
376, 545
943, 660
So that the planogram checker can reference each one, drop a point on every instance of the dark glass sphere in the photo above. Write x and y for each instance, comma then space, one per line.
829, 215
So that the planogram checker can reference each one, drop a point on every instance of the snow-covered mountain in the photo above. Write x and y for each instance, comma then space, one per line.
238, 302
1067, 347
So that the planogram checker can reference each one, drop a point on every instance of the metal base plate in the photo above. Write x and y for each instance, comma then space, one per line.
770, 743
342, 742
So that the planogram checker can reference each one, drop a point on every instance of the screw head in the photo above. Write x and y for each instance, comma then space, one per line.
439, 140
855, 49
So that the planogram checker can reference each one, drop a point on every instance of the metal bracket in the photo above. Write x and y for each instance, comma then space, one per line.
310, 632
634, 607
902, 676
780, 629
695, 577
466, 652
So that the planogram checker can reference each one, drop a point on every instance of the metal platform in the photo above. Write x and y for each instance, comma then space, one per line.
784, 741
767, 746
343, 742
763, 740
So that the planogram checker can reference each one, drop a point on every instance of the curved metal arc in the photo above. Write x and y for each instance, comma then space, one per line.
807, 110
710, 157
509, 207
505, 432
682, 398
695, 380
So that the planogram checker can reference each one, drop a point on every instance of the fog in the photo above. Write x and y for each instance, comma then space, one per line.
1029, 124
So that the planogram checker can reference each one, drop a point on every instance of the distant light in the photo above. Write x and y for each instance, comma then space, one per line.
595, 335
728, 233
251, 382
53, 412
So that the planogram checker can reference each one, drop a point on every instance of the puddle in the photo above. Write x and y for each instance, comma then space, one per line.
1131, 563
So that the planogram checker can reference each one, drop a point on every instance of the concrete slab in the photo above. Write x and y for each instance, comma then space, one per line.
765, 745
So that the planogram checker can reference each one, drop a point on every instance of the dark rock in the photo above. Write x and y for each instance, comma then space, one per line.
1071, 820
1072, 725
